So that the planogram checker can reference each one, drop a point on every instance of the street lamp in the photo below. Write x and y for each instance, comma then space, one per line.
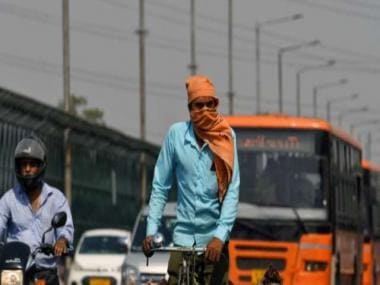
350, 111
367, 144
281, 51
258, 26
324, 86
298, 80
361, 134
362, 123
339, 99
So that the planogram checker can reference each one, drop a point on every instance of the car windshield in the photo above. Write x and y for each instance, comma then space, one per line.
104, 245
166, 228
281, 168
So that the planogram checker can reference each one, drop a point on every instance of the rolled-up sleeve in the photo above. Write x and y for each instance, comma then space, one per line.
230, 202
4, 216
162, 183
67, 231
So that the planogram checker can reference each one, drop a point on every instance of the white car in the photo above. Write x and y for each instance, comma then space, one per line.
99, 256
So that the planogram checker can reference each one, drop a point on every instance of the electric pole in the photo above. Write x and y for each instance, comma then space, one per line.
192, 65
230, 62
142, 33
67, 99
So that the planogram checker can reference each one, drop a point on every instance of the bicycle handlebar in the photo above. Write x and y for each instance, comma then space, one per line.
183, 249
189, 249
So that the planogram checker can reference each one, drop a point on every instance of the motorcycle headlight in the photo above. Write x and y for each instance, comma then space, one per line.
12, 277
131, 275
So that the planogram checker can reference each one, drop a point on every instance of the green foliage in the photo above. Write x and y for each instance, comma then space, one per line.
94, 115
78, 108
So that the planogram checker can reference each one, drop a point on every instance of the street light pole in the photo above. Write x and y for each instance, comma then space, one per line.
257, 43
367, 143
369, 146
298, 80
257, 51
350, 111
280, 53
329, 102
324, 86
362, 123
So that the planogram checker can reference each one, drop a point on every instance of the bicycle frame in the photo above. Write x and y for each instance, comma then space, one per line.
188, 253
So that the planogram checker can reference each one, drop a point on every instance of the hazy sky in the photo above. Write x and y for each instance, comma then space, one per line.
104, 55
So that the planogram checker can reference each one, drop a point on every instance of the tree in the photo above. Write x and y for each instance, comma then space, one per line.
94, 115
78, 108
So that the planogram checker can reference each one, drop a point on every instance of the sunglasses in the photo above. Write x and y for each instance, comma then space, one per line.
200, 105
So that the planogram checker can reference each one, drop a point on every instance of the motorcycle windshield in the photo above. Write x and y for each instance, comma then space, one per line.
14, 255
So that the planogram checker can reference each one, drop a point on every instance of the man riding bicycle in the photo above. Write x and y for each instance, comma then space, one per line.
201, 155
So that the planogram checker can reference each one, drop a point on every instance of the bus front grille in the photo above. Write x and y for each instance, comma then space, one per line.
247, 263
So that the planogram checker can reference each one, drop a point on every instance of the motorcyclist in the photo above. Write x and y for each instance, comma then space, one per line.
26, 210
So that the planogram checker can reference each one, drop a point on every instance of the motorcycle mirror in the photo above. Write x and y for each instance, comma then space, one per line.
59, 220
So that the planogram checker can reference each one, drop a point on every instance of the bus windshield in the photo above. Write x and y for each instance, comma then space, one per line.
281, 168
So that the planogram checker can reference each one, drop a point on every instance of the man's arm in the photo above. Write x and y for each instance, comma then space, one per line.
65, 234
227, 215
162, 183
230, 202
4, 216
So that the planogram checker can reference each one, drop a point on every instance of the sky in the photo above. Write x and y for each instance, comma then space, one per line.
104, 55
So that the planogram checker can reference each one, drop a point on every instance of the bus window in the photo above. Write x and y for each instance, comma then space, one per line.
280, 169
335, 154
342, 159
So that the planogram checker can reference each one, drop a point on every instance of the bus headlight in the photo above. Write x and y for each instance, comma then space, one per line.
12, 277
313, 265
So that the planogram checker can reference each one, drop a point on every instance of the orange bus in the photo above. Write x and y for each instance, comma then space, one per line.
299, 202
371, 223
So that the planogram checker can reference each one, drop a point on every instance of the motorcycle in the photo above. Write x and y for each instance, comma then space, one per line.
16, 258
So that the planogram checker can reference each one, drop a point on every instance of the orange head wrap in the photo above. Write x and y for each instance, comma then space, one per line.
200, 86
210, 126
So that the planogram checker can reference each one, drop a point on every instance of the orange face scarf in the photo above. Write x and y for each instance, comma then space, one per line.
210, 126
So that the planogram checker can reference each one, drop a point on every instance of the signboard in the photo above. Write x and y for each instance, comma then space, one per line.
276, 141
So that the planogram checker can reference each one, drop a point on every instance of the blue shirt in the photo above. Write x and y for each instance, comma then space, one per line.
20, 224
200, 216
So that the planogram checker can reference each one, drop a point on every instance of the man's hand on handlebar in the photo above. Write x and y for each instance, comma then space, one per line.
147, 246
214, 250
60, 247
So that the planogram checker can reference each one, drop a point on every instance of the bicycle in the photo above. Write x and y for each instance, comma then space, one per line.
185, 277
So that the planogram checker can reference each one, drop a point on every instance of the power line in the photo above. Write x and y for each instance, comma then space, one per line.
98, 78
115, 82
248, 28
360, 4
337, 10
113, 33
109, 32
245, 27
